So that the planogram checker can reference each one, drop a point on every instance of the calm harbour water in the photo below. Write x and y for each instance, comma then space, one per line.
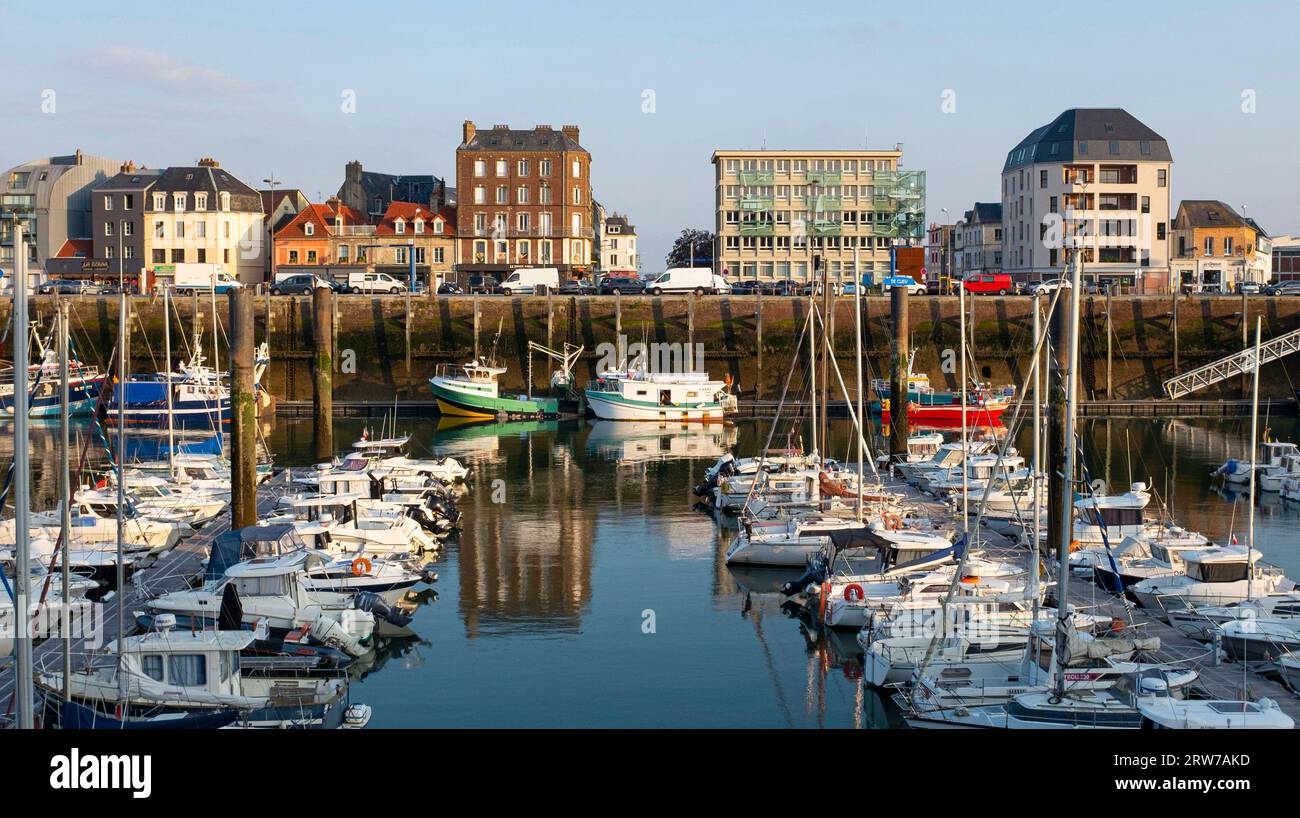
541, 614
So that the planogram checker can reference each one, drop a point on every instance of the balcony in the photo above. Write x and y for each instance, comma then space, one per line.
824, 177
825, 227
753, 178
756, 228
825, 204
755, 202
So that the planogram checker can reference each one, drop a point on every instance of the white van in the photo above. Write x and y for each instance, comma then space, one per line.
721, 286
375, 283
698, 280
190, 276
531, 280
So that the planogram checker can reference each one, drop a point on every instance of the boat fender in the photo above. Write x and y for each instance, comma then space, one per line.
821, 603
854, 593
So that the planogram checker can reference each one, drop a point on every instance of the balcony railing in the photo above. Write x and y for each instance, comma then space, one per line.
825, 227
824, 177
825, 204
756, 228
752, 178
755, 202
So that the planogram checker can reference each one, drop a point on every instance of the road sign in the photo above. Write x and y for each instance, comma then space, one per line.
899, 281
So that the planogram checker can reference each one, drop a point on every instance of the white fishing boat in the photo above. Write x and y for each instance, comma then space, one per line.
632, 393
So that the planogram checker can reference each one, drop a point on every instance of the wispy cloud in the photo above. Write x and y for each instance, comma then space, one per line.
159, 70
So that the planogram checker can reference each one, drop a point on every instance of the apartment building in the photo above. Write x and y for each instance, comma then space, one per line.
1215, 249
778, 209
1096, 180
618, 253
524, 200
977, 241
939, 261
153, 219
51, 198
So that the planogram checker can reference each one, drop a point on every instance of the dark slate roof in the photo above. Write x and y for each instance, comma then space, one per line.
624, 227
210, 180
136, 180
1210, 213
1110, 134
985, 213
396, 187
511, 139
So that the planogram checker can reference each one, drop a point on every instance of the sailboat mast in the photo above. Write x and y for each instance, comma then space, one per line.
812, 365
1254, 450
121, 495
23, 681
216, 361
965, 436
65, 497
1035, 483
857, 334
167, 346
1070, 381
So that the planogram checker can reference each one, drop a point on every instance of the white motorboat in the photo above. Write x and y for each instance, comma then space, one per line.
1103, 518
788, 542
1249, 639
1202, 621
633, 393
1270, 468
1211, 576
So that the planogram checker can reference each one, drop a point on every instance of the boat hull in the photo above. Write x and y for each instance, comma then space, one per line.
458, 403
82, 397
611, 406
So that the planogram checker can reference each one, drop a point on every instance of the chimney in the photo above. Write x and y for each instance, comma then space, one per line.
543, 128
128, 166
571, 131
208, 162
468, 131
79, 157
352, 171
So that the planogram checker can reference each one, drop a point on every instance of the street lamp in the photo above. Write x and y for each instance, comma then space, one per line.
270, 228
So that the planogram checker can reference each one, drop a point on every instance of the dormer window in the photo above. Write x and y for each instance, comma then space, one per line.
200, 201
309, 229
225, 201
160, 201
419, 226
178, 201
437, 227
399, 226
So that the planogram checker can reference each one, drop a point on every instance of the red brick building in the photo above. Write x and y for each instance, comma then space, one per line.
524, 200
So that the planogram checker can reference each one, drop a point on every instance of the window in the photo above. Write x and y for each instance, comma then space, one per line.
200, 230
225, 201
437, 227
501, 168
108, 202
159, 256
1227, 245
521, 196
178, 201
503, 196
160, 201
108, 251
189, 669
344, 252
1083, 147
180, 230
544, 196
577, 195
178, 255
480, 168
544, 224
480, 195
1114, 147
293, 256
108, 228
400, 254
576, 224
1042, 178
438, 255
1209, 245
1145, 147
152, 665
1160, 231
1146, 204
399, 226
577, 169
128, 201
225, 230
419, 226
521, 167
524, 222
419, 255
1162, 178
203, 255
309, 229
544, 167
200, 201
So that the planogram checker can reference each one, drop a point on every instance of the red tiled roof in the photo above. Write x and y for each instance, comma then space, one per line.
409, 212
321, 215
76, 248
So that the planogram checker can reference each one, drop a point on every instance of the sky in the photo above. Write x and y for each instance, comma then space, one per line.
656, 88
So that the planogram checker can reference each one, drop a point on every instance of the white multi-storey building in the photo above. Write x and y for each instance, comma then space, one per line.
1095, 179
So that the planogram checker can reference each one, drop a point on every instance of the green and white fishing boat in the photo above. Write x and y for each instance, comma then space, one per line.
472, 390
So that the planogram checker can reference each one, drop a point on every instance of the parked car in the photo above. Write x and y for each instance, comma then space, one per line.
300, 284
745, 288
577, 286
1248, 288
915, 288
484, 284
782, 287
988, 284
621, 285
1291, 287
70, 286
1045, 286
450, 288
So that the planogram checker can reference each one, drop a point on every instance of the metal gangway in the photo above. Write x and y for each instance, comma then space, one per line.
1238, 363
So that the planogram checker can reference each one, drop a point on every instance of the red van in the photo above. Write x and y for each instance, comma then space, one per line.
989, 284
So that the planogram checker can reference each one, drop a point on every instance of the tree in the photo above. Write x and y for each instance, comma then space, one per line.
692, 248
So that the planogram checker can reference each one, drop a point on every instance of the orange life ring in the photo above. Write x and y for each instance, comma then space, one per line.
361, 566
892, 521
853, 592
